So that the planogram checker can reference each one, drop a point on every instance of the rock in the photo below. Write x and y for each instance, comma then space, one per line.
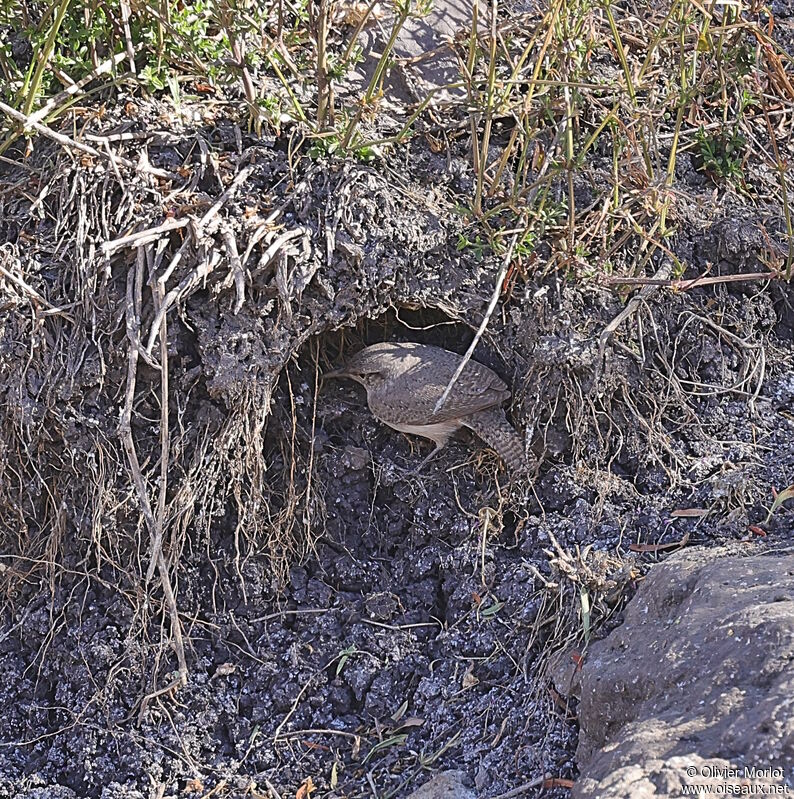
696, 686
427, 62
445, 785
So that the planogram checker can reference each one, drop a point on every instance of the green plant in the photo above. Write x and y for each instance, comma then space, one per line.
741, 59
722, 153
374, 91
323, 146
478, 246
780, 497
526, 246
344, 656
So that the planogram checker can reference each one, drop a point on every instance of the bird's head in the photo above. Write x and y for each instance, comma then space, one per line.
368, 367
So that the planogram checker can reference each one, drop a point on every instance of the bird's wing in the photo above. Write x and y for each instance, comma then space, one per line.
412, 396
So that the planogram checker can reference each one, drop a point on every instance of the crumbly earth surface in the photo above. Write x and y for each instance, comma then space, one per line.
344, 621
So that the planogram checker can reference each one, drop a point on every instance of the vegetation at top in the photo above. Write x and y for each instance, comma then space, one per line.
608, 101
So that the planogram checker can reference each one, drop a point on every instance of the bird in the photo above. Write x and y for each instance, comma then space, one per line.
405, 380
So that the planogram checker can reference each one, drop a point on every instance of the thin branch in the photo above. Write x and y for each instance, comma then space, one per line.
134, 280
685, 285
65, 141
500, 279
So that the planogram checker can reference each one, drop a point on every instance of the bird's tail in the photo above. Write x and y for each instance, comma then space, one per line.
492, 427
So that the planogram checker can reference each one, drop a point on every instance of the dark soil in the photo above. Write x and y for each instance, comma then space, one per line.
411, 628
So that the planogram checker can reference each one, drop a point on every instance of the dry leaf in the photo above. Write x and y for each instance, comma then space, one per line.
558, 782
689, 513
305, 791
469, 680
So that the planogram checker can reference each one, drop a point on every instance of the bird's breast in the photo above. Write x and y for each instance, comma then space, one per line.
438, 432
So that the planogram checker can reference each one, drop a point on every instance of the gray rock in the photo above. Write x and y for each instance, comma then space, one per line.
445, 785
697, 681
425, 61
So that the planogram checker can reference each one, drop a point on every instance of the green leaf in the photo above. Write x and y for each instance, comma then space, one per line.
344, 656
491, 610
395, 740
785, 494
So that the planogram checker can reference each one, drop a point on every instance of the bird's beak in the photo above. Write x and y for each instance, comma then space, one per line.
335, 373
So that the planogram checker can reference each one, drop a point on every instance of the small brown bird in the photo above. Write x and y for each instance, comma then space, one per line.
405, 381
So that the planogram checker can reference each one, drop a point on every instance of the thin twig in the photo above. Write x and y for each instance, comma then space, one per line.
134, 281
685, 285
126, 13
237, 272
204, 268
143, 237
521, 789
70, 91
631, 307
34, 295
500, 279
65, 141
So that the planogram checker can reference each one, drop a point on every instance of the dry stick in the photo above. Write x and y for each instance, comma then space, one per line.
631, 307
781, 169
502, 161
259, 232
236, 267
157, 545
377, 76
323, 83
322, 731
482, 161
310, 465
549, 20
269, 786
569, 167
398, 137
127, 136
294, 707
34, 295
239, 60
114, 166
125, 433
204, 269
357, 32
53, 103
468, 75
65, 141
278, 243
143, 237
126, 13
685, 285
487, 318
277, 735
527, 786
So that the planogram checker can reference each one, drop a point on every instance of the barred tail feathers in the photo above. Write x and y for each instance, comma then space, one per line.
492, 427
